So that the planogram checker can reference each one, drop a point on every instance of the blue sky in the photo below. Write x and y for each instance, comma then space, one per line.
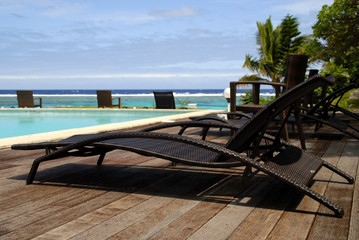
137, 44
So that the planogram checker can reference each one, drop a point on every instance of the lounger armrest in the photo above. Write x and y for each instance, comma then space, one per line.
215, 116
103, 142
119, 101
280, 84
186, 124
239, 114
40, 99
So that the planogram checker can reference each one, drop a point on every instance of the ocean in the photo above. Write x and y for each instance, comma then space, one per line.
204, 98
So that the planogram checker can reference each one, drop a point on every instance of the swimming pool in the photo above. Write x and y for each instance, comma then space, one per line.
19, 122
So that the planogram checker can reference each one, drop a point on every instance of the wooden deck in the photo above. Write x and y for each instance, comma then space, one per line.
136, 197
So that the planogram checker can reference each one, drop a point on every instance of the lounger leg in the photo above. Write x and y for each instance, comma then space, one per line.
100, 159
299, 126
339, 212
182, 130
204, 133
349, 178
247, 171
32, 173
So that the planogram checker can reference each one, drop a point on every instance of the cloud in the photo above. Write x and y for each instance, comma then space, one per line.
17, 15
53, 8
214, 64
181, 12
138, 17
61, 8
303, 7
120, 75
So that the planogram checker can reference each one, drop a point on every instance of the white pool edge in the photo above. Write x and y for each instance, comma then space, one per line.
57, 135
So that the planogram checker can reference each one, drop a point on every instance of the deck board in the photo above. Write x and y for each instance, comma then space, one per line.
341, 193
136, 197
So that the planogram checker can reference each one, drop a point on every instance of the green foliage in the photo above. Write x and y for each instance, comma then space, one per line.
247, 98
265, 100
346, 103
337, 27
267, 39
314, 49
274, 46
290, 41
183, 103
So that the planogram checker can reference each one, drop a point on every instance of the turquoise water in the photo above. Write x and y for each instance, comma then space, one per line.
24, 122
146, 100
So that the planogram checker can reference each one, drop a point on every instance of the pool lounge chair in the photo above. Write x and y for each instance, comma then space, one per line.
25, 98
164, 100
249, 146
324, 113
105, 99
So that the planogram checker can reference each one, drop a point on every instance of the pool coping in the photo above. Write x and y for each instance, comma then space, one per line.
57, 135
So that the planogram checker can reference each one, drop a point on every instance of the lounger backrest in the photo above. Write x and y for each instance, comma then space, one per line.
327, 101
250, 132
25, 98
164, 100
104, 98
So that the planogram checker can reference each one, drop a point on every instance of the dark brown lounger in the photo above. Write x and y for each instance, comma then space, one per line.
324, 113
25, 98
164, 100
249, 147
105, 99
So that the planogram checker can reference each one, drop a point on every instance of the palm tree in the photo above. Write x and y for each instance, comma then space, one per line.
268, 40
274, 47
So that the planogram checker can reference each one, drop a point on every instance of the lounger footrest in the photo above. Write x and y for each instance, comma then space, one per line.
295, 165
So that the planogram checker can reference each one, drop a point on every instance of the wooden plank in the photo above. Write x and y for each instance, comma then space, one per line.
33, 215
121, 218
83, 223
341, 193
159, 219
75, 201
187, 224
37, 199
233, 214
89, 202
265, 216
354, 216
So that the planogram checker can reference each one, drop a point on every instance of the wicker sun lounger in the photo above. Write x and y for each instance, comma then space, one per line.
324, 113
164, 100
249, 146
25, 98
105, 99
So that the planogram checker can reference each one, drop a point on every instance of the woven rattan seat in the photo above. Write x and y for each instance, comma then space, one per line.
295, 164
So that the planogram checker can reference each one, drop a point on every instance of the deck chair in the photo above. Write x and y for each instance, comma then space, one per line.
25, 98
324, 113
164, 100
104, 99
249, 147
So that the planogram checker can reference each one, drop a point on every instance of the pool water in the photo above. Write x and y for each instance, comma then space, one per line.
30, 121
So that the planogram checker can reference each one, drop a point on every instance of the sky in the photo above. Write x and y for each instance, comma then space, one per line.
137, 44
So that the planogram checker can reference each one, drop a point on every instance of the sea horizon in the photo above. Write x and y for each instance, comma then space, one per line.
81, 92
204, 98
